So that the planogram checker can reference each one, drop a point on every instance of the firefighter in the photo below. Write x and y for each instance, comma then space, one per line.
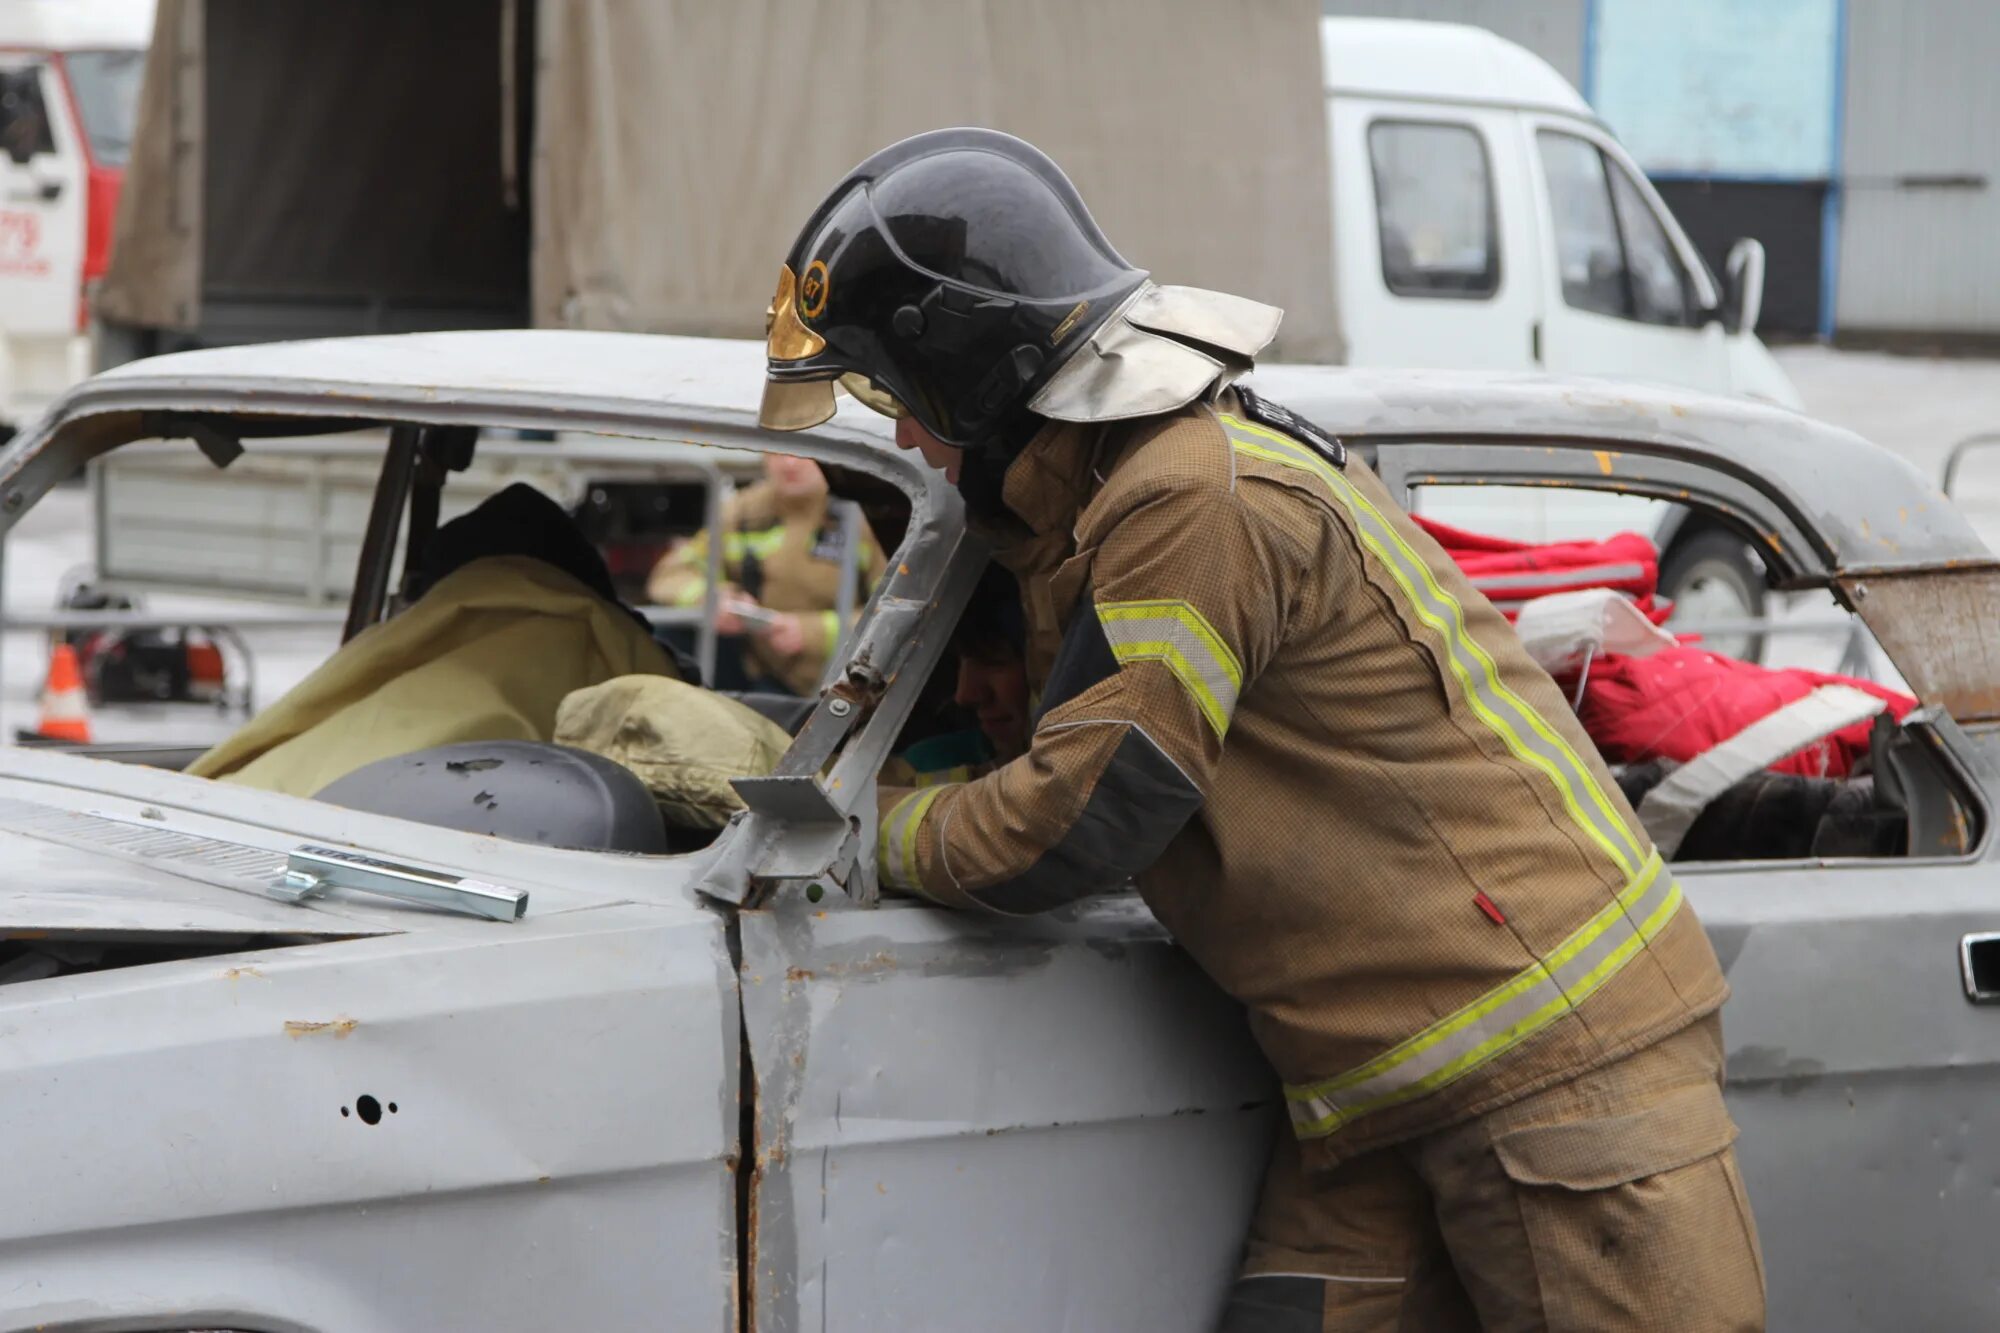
782, 553
1337, 777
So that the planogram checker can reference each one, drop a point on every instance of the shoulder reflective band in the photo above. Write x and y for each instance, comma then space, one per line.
896, 843
1525, 733
1501, 1019
760, 543
1670, 809
1180, 637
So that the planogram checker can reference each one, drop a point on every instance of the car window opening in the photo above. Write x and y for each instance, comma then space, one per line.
537, 639
1782, 738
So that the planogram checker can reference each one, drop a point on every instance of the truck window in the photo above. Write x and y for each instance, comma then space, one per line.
1588, 252
106, 84
1659, 284
1613, 253
1434, 209
24, 118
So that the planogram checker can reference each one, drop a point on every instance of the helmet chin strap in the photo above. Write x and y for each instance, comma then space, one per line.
982, 472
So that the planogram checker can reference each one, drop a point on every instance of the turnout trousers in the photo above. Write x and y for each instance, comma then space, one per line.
1611, 1201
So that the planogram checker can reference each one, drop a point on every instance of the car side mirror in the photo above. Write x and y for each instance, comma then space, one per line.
1743, 286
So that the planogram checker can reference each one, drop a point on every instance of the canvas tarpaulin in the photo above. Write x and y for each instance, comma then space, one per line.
155, 273
347, 157
356, 154
682, 143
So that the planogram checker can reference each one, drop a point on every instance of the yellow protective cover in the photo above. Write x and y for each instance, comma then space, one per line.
487, 654
683, 741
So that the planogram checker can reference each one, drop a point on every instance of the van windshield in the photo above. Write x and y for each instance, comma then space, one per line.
107, 98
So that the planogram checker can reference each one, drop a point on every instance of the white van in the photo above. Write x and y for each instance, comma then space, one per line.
69, 90
1499, 225
1485, 219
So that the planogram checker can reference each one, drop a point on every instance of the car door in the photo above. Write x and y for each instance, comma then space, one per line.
1625, 296
1866, 1087
1433, 236
41, 201
985, 1124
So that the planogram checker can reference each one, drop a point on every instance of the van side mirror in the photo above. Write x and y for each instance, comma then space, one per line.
1743, 286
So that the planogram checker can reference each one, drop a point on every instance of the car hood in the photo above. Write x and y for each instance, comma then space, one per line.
156, 886
90, 848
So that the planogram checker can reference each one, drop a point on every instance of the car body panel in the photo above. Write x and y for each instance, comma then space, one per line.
1066, 1098
564, 1105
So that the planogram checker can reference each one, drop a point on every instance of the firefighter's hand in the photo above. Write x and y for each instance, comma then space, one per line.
787, 634
730, 608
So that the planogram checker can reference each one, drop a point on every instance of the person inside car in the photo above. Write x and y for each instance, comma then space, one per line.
782, 554
513, 610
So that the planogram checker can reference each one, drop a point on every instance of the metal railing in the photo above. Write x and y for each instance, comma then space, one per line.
1856, 656
1955, 457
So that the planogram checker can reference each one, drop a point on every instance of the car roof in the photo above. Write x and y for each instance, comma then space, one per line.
1870, 506
1446, 62
716, 376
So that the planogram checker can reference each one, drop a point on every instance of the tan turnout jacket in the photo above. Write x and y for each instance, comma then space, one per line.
1338, 778
786, 553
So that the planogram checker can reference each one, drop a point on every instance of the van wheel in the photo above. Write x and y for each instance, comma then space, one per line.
1711, 575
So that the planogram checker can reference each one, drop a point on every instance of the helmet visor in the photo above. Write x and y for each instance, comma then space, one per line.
795, 404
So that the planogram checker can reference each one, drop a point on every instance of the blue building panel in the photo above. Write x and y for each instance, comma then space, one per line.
1743, 89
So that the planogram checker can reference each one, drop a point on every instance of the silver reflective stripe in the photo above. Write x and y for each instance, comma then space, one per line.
1582, 575
1670, 809
1525, 733
1180, 637
1501, 1019
896, 845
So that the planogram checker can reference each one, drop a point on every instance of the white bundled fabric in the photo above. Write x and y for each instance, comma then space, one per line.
1565, 630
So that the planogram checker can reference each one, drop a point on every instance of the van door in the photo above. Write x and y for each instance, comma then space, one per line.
41, 201
1626, 294
1433, 236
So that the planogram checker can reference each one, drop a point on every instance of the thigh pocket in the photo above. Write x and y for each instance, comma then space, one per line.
1637, 1220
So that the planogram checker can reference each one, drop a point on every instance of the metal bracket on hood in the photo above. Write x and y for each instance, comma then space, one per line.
310, 871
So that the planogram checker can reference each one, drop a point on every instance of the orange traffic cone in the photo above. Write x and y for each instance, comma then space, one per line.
65, 710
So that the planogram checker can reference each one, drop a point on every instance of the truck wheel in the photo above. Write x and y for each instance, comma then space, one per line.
1712, 575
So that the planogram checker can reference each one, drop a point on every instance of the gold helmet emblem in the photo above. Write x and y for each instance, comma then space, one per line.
786, 336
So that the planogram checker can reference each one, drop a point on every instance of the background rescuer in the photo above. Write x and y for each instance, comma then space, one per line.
1337, 777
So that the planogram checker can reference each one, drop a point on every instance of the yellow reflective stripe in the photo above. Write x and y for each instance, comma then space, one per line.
1526, 734
760, 542
1180, 637
829, 623
691, 593
896, 841
946, 777
1501, 1019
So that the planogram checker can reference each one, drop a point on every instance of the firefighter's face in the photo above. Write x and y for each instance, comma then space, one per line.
792, 476
910, 434
993, 683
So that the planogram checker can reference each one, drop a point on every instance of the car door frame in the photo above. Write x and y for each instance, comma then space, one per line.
1853, 1051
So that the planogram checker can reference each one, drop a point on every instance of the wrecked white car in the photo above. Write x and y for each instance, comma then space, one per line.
268, 1063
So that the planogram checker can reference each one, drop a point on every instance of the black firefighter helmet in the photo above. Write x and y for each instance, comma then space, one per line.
947, 277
